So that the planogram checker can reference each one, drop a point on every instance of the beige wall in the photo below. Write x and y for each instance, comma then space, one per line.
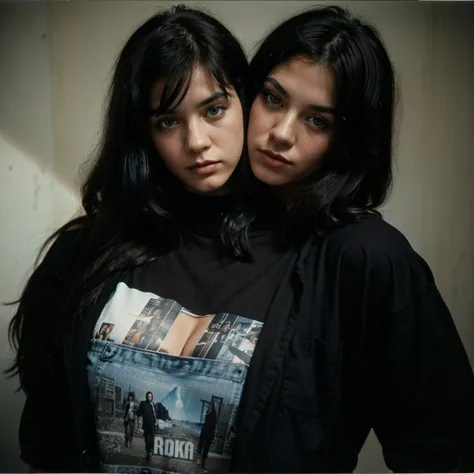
56, 60
33, 198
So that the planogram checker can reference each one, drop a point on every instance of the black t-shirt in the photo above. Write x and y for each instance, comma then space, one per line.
371, 345
204, 277
184, 328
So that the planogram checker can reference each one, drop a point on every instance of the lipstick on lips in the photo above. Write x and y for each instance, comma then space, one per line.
204, 167
274, 159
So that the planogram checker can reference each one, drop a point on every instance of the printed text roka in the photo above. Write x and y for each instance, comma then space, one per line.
174, 448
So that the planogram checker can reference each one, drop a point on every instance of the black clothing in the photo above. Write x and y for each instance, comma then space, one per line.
207, 434
148, 413
357, 337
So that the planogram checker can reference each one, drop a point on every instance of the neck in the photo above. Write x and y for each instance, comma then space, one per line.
285, 193
202, 213
222, 191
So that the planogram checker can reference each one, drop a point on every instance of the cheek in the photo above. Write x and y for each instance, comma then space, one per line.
313, 150
228, 136
258, 122
236, 142
234, 129
168, 147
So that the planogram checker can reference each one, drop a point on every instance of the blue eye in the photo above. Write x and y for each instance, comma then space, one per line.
215, 111
166, 123
271, 99
319, 122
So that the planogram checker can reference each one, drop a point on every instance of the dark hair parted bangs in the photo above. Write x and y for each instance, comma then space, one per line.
129, 194
356, 175
165, 48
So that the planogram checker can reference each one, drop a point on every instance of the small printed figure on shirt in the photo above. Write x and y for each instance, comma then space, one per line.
151, 412
129, 419
206, 437
104, 332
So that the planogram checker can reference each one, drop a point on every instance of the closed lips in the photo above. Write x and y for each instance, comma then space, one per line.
276, 156
203, 163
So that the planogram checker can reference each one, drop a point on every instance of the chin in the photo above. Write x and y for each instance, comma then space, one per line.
213, 185
268, 176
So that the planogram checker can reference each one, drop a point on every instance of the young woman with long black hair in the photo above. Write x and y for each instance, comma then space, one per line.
142, 292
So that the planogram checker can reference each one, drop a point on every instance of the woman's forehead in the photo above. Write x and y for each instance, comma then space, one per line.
197, 86
308, 81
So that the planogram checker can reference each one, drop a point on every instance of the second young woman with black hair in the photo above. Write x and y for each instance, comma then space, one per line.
371, 344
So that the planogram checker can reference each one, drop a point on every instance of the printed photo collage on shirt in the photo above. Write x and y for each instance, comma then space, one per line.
225, 337
176, 421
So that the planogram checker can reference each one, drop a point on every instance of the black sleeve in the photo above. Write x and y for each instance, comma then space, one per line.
421, 381
44, 429
423, 410
409, 375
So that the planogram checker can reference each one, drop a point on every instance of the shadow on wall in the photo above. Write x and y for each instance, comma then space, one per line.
33, 199
9, 452
33, 203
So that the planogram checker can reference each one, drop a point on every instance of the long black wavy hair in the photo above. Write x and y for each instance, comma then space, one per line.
356, 175
129, 195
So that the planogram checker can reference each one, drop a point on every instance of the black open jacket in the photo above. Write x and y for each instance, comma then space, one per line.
360, 340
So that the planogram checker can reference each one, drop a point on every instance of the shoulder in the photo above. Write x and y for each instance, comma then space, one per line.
67, 244
56, 265
51, 278
372, 240
63, 252
373, 254
372, 234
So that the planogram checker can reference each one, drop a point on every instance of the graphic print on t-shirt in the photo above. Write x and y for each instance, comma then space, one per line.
186, 372
158, 324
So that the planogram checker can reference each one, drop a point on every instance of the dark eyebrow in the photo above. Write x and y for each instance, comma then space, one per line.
277, 86
203, 103
284, 92
212, 98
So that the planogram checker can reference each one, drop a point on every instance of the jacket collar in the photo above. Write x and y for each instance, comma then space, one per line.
269, 354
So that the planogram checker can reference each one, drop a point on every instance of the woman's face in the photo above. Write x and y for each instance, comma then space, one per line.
292, 121
201, 140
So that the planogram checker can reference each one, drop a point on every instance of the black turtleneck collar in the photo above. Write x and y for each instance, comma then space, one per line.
204, 214
200, 213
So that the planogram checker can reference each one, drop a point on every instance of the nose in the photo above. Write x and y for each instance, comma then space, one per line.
197, 139
283, 132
